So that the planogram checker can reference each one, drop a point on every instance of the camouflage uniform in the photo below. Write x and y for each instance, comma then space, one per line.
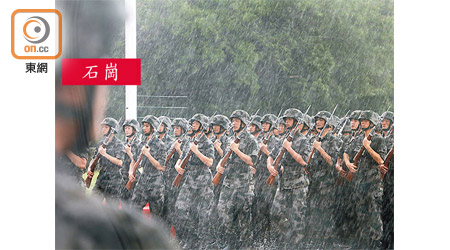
109, 178
136, 149
195, 200
168, 141
388, 199
367, 191
150, 186
70, 169
264, 194
289, 206
235, 197
321, 193
225, 140
342, 197
171, 192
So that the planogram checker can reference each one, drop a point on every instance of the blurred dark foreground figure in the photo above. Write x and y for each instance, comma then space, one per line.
81, 221
85, 223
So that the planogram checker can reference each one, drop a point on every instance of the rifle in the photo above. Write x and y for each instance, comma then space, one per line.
97, 155
341, 124
386, 161
224, 160
357, 156
177, 180
96, 159
271, 178
173, 150
318, 138
266, 139
129, 184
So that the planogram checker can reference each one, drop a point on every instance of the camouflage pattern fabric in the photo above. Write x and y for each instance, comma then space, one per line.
342, 197
321, 193
70, 169
388, 200
150, 186
288, 210
171, 192
264, 194
109, 178
367, 191
195, 200
235, 197
168, 141
225, 140
136, 148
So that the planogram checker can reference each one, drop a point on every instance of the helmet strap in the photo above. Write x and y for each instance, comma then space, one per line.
293, 125
134, 132
240, 128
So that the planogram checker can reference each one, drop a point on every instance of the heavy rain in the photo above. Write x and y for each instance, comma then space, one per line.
300, 92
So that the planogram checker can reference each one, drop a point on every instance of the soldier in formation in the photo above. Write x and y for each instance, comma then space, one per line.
150, 186
286, 182
195, 200
109, 179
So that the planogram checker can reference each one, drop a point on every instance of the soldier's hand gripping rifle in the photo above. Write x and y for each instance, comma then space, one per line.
390, 154
350, 174
176, 182
95, 161
280, 155
223, 162
318, 138
266, 139
97, 156
138, 162
173, 150
386, 161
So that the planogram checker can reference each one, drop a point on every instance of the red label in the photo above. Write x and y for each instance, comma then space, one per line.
101, 71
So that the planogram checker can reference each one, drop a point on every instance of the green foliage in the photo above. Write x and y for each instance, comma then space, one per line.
235, 54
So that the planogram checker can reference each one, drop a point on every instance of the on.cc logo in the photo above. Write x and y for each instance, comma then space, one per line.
36, 29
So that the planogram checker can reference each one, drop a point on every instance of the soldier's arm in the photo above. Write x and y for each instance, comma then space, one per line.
297, 157
270, 167
372, 152
324, 154
244, 157
152, 160
217, 146
113, 159
177, 146
349, 165
206, 160
78, 161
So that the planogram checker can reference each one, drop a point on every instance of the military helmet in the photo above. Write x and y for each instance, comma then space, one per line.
334, 121
324, 115
132, 123
165, 120
281, 121
355, 115
111, 122
373, 117
293, 113
202, 119
241, 115
152, 120
347, 126
388, 115
269, 118
221, 120
181, 122
307, 120
256, 120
